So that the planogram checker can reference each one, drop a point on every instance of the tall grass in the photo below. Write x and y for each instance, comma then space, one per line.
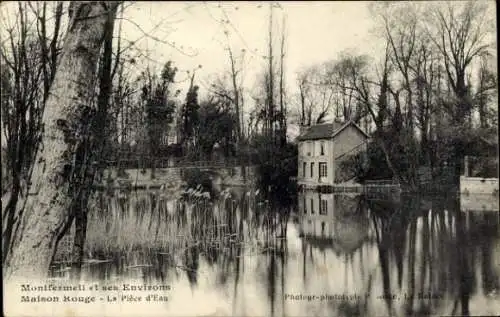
121, 223
131, 222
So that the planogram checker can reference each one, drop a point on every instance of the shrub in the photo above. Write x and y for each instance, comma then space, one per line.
367, 166
196, 178
277, 168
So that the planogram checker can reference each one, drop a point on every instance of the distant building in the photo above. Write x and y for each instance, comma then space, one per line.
173, 133
323, 146
172, 136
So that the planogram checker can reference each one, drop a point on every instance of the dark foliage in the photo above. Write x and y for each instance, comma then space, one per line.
158, 106
190, 116
198, 179
216, 126
368, 166
277, 169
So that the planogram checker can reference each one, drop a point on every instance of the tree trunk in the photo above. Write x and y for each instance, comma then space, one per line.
92, 151
302, 106
78, 208
236, 96
282, 90
270, 83
8, 215
65, 122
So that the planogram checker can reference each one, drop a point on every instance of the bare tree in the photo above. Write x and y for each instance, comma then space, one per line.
65, 127
29, 59
303, 91
49, 50
90, 151
317, 94
401, 32
236, 79
425, 80
358, 84
282, 97
229, 87
403, 37
341, 74
460, 33
486, 91
269, 79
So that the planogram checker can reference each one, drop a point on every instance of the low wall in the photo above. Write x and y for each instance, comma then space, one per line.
478, 202
172, 177
478, 185
236, 176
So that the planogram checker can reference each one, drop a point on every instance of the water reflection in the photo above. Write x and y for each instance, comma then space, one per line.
359, 256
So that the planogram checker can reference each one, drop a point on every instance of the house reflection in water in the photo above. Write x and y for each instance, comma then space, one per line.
333, 221
337, 247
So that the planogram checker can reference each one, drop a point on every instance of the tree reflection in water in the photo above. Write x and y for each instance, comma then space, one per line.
440, 253
393, 253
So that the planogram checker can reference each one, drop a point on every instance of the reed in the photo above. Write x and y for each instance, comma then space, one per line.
152, 222
133, 223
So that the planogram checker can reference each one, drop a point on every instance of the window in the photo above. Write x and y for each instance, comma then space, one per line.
312, 169
305, 206
323, 207
308, 148
322, 169
304, 168
322, 148
312, 206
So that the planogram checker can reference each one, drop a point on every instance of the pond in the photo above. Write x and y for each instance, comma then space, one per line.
329, 255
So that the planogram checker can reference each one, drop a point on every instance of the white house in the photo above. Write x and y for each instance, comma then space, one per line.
322, 147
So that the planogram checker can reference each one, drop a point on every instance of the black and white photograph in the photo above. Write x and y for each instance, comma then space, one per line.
249, 158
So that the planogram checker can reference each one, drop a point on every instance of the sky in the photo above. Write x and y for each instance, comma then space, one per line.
315, 32
191, 34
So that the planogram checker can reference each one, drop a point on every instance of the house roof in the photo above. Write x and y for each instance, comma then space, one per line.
326, 131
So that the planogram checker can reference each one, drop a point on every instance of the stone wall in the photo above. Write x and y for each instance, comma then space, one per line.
478, 185
234, 176
172, 177
478, 202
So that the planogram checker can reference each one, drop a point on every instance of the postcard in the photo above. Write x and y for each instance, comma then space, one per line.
249, 158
